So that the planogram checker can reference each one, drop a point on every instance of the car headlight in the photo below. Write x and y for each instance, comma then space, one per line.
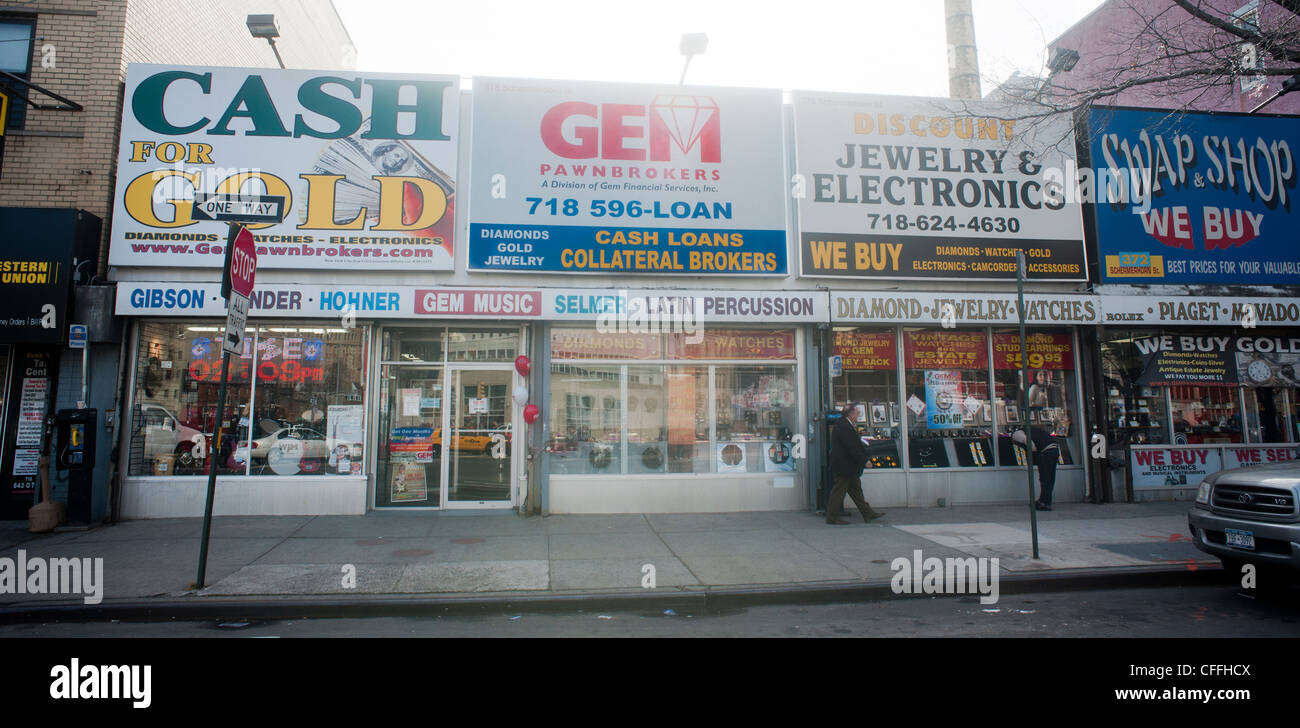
1203, 492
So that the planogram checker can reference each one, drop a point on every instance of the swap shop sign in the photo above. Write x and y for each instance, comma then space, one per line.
365, 164
907, 187
1195, 198
610, 178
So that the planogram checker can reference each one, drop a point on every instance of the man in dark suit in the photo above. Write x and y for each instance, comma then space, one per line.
848, 458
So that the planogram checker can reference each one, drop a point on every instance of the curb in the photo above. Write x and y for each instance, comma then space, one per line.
697, 599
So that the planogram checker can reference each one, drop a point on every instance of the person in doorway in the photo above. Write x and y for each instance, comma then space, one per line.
848, 458
1046, 455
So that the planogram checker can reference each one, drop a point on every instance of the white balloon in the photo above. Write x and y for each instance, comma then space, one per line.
521, 394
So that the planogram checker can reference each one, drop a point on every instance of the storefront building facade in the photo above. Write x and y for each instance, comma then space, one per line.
937, 378
598, 344
1189, 390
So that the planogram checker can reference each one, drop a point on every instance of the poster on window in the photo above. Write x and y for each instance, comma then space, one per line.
352, 170
945, 350
1240, 456
1169, 359
731, 457
681, 409
779, 458
409, 484
625, 178
1046, 351
943, 400
1173, 467
344, 430
867, 350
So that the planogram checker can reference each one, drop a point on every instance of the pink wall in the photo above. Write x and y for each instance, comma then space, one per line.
1106, 44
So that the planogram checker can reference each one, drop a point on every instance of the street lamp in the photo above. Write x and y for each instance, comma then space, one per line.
1062, 60
264, 26
693, 44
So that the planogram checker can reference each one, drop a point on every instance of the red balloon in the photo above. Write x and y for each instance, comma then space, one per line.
531, 413
522, 365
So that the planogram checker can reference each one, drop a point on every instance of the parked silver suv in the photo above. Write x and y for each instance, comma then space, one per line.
1250, 515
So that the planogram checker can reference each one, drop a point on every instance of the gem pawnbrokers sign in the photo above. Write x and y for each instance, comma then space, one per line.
614, 178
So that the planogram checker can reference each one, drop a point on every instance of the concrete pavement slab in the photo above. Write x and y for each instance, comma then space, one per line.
644, 546
475, 576
678, 522
306, 579
775, 543
597, 524
1019, 557
485, 525
383, 525
572, 574
349, 550
962, 536
488, 548
733, 570
1164, 528
1159, 551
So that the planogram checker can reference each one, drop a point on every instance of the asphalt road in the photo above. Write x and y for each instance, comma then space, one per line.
1167, 612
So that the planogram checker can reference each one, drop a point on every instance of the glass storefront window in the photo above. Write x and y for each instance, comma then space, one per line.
586, 418
176, 381
294, 402
464, 345
1266, 414
947, 385
755, 417
1051, 395
870, 358
1135, 412
615, 412
1204, 414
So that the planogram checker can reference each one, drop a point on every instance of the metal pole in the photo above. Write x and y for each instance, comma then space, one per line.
276, 51
1024, 399
212, 470
85, 373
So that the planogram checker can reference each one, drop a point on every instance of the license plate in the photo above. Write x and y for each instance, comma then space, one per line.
1240, 539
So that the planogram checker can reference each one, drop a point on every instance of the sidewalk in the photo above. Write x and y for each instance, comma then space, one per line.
509, 558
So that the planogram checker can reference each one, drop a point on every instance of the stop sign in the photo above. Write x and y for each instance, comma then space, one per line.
243, 263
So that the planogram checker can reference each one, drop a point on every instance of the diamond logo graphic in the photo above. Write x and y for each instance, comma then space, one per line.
685, 117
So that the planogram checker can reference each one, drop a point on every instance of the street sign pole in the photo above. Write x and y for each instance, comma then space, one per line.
1024, 399
236, 287
212, 471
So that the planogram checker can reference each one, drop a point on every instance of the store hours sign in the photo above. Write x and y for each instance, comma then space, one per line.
605, 178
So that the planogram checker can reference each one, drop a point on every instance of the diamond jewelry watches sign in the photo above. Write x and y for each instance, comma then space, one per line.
576, 177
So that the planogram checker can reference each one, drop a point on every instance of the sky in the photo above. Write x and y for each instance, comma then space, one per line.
865, 46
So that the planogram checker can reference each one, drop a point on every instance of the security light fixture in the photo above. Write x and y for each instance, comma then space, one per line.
693, 44
264, 26
1062, 60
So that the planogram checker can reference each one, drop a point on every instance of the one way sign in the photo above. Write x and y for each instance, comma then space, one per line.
239, 208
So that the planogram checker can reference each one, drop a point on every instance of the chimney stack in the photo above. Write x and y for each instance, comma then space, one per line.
963, 65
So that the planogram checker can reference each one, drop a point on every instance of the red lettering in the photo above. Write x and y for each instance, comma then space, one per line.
553, 130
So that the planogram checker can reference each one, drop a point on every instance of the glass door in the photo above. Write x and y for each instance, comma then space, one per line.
481, 425
409, 462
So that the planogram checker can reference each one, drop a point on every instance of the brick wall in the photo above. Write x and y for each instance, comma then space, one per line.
67, 159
